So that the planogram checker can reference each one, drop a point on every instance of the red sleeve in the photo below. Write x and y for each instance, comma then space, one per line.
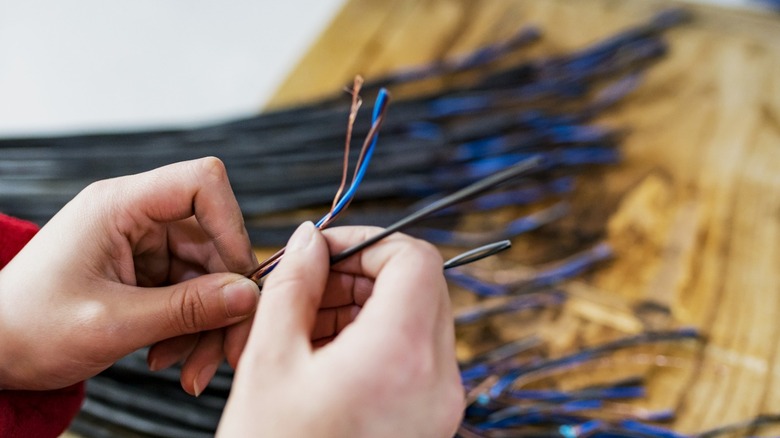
32, 413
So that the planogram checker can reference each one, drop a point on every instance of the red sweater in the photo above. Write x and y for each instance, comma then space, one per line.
32, 413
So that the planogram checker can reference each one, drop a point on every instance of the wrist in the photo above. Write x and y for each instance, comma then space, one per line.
16, 368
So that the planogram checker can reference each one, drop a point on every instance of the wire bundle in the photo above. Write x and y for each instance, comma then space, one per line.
281, 161
518, 389
499, 408
537, 113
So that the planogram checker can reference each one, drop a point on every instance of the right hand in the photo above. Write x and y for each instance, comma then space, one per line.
382, 364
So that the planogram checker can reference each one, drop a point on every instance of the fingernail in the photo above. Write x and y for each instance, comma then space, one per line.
204, 377
240, 297
301, 236
153, 365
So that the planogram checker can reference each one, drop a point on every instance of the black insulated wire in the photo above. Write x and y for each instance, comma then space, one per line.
483, 185
477, 254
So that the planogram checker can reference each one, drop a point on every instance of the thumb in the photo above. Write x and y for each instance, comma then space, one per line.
203, 303
292, 294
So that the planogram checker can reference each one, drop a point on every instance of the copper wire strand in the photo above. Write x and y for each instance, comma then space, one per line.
356, 103
268, 264
372, 133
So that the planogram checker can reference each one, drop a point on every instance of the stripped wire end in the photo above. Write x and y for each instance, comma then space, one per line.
343, 198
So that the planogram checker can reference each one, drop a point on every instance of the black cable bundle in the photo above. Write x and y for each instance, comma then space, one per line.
131, 400
282, 161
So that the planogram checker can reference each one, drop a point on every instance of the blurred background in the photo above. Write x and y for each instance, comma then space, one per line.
87, 65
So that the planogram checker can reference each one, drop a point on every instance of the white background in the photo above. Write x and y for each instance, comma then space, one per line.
70, 65
75, 65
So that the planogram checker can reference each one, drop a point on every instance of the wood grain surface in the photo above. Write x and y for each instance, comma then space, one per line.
695, 219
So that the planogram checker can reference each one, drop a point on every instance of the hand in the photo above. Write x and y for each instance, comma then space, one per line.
314, 365
122, 266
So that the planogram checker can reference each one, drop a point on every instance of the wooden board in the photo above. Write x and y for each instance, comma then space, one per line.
697, 223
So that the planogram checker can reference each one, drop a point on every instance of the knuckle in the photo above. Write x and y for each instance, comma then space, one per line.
93, 187
366, 231
213, 168
421, 254
187, 309
95, 190
429, 252
102, 198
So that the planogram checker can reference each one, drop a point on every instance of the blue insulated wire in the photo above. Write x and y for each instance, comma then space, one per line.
381, 100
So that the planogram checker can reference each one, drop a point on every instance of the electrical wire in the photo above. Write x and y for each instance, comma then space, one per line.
340, 202
523, 167
477, 254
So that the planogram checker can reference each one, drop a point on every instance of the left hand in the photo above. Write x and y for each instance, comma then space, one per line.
131, 262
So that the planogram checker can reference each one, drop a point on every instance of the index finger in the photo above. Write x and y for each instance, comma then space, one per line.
200, 188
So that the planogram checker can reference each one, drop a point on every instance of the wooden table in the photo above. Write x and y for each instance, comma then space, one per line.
697, 223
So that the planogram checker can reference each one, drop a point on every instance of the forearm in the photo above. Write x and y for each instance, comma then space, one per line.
14, 235
25, 413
